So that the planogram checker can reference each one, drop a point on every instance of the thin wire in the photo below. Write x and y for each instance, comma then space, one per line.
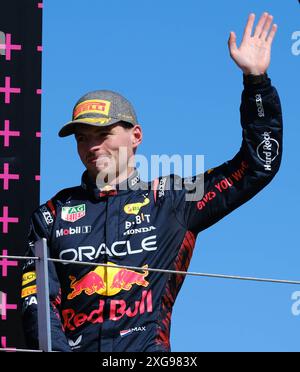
207, 275
20, 258
221, 276
21, 350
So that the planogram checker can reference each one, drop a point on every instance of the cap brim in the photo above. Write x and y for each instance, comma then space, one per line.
70, 127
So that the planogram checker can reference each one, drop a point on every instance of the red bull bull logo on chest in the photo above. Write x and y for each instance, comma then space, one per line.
107, 281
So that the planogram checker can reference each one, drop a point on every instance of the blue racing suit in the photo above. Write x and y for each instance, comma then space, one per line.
147, 225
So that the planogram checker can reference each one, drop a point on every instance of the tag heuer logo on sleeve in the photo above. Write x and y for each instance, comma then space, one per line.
74, 213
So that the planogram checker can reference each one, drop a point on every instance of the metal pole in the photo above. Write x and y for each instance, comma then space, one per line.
43, 295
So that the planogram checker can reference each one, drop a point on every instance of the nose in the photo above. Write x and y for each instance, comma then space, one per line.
92, 147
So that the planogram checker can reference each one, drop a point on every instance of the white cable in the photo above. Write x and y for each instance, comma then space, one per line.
9, 349
20, 257
220, 276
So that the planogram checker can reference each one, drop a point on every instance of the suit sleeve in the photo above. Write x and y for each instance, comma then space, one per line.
233, 183
40, 225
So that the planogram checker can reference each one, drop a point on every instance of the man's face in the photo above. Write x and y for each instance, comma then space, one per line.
106, 150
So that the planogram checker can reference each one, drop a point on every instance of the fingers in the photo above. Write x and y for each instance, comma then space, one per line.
249, 26
264, 30
232, 42
266, 27
260, 25
272, 34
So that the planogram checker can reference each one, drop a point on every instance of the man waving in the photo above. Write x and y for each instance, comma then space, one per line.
127, 222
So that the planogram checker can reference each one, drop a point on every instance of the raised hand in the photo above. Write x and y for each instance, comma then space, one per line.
254, 54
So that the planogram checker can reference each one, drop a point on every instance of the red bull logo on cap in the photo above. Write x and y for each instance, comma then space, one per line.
107, 281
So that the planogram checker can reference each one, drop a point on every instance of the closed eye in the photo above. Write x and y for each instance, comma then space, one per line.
100, 135
79, 137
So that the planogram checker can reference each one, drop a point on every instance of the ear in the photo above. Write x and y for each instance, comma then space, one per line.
137, 136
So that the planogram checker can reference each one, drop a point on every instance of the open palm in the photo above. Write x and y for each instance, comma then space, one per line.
254, 54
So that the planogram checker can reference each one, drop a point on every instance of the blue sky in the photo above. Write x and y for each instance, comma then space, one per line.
170, 59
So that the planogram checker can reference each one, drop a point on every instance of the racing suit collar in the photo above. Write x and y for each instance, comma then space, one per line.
131, 183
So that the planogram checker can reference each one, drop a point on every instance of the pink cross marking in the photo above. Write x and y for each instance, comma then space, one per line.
40, 5
39, 91
6, 176
4, 306
3, 344
39, 48
37, 177
6, 133
38, 134
7, 90
8, 47
6, 220
4, 262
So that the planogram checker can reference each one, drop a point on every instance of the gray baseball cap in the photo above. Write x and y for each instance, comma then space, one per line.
100, 108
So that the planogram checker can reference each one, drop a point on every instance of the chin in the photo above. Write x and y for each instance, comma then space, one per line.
106, 172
